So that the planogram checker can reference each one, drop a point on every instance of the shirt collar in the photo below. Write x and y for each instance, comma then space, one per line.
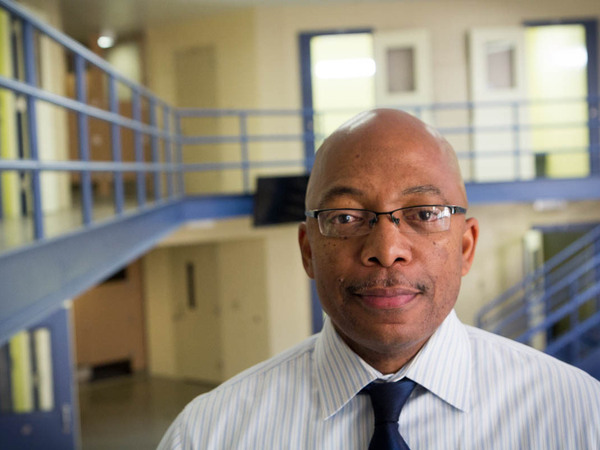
442, 366
340, 373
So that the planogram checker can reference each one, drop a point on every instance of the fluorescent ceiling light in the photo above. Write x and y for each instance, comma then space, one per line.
345, 68
106, 39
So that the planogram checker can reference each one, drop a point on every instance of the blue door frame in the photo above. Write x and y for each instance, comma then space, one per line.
58, 428
308, 128
591, 42
306, 80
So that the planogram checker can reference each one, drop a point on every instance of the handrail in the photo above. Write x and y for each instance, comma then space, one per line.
541, 272
549, 292
570, 281
67, 42
559, 314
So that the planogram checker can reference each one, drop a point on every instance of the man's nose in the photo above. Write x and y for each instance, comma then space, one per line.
386, 244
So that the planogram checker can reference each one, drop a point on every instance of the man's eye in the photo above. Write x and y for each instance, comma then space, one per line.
341, 219
423, 215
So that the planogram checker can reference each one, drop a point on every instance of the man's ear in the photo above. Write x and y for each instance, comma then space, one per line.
305, 250
469, 242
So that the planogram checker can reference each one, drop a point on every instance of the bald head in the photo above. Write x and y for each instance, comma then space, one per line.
389, 142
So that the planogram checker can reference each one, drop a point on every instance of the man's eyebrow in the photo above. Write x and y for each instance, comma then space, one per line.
424, 189
338, 191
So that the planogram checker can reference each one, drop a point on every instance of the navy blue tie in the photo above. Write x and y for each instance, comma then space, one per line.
387, 400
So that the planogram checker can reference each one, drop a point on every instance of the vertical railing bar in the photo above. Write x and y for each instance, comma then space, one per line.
31, 79
243, 117
594, 116
574, 323
116, 146
517, 140
155, 153
84, 141
1, 200
595, 245
472, 150
308, 137
179, 155
14, 47
140, 176
168, 142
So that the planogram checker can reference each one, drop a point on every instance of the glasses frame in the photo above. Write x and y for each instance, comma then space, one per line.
314, 213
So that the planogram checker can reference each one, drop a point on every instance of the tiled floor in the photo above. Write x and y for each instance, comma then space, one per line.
131, 412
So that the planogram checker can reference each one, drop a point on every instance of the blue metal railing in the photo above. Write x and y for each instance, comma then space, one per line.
559, 303
172, 174
83, 59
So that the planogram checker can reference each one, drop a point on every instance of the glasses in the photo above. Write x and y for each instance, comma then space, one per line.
347, 222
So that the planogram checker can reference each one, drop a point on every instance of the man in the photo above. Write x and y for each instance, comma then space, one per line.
387, 241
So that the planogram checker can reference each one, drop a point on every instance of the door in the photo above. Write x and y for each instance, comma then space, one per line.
196, 86
197, 314
36, 374
380, 69
562, 79
500, 142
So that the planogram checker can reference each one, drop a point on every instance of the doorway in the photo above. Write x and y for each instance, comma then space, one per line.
334, 63
346, 72
562, 76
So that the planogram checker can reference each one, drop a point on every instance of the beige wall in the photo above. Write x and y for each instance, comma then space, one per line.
277, 32
252, 294
233, 36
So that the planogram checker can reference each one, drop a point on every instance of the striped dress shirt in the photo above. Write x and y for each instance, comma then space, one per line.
475, 390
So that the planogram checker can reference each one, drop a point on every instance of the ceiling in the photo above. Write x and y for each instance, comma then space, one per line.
84, 18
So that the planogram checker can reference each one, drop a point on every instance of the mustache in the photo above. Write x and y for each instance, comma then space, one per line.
360, 286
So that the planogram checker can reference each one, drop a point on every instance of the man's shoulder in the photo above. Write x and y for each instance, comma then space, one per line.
253, 397
492, 352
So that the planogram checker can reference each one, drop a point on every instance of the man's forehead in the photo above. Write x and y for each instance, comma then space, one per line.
330, 194
384, 141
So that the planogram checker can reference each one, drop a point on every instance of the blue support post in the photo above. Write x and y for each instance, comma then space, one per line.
244, 151
573, 347
155, 153
139, 148
168, 142
179, 157
31, 79
316, 309
115, 136
84, 141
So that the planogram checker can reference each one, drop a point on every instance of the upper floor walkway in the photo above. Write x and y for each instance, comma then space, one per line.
91, 181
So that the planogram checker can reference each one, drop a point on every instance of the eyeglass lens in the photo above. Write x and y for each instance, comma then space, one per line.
420, 219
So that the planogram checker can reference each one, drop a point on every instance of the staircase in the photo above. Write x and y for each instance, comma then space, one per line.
556, 308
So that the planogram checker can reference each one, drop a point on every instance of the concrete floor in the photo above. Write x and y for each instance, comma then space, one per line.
131, 411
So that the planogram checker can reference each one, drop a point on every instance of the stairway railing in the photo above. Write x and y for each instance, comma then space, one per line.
557, 307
